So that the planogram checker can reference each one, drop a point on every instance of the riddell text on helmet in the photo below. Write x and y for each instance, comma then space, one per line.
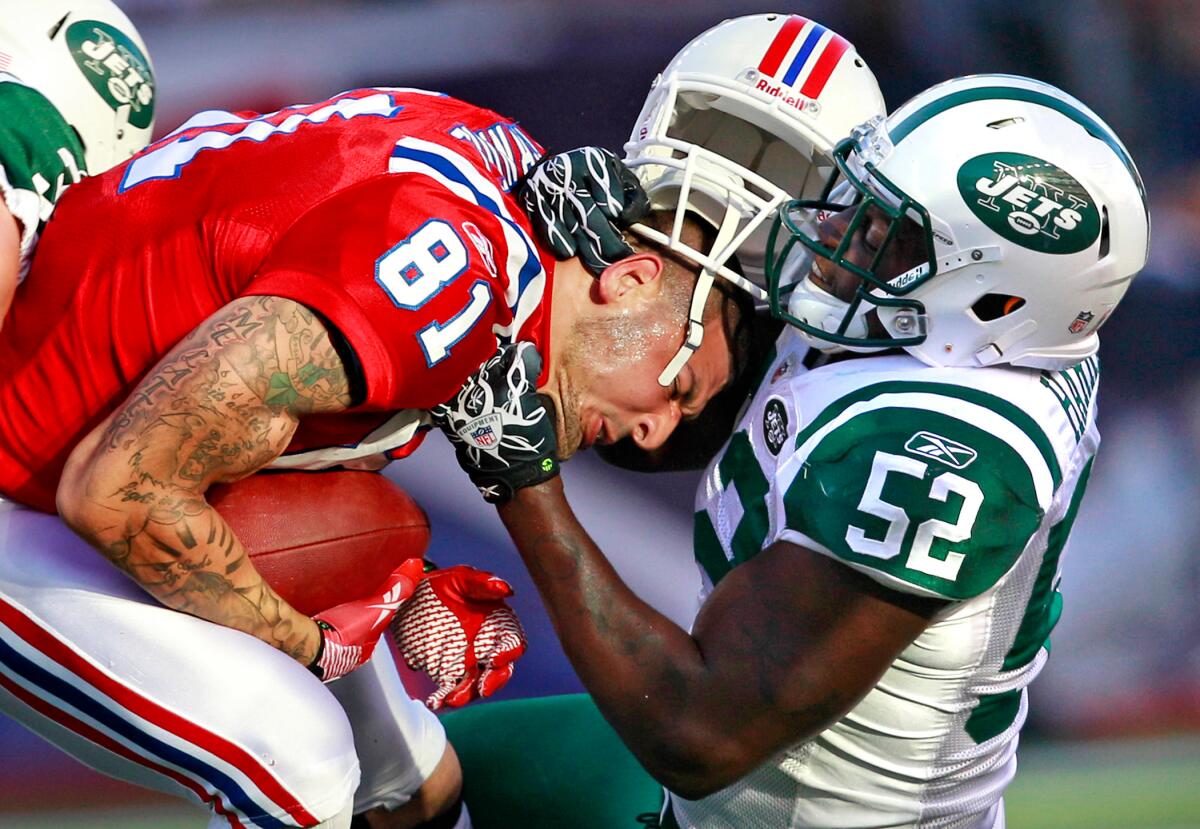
785, 94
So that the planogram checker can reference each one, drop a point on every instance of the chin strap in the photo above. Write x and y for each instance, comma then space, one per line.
704, 283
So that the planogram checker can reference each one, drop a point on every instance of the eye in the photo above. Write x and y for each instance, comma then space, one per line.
685, 395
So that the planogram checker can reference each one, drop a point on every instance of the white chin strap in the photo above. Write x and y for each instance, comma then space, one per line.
813, 305
704, 283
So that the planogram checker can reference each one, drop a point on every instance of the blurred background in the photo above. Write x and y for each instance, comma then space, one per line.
1114, 733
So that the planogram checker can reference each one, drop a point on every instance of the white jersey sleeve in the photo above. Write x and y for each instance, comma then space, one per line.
927, 487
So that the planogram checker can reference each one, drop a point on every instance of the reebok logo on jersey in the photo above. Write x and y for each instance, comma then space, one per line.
1030, 202
482, 246
935, 447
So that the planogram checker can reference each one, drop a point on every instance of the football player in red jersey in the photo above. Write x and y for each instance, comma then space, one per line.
293, 290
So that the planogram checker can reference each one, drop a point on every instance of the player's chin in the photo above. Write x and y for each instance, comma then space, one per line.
570, 436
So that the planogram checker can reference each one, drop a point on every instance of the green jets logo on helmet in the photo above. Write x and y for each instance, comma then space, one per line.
1030, 202
115, 67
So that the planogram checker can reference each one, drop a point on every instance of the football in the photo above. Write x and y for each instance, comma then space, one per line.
323, 538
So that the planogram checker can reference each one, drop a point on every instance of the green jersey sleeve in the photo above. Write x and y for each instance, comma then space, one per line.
935, 491
40, 156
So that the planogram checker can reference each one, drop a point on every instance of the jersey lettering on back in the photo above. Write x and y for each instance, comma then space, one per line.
215, 130
505, 148
1075, 389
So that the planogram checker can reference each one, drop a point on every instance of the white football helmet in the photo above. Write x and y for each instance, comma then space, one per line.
1030, 213
743, 118
91, 64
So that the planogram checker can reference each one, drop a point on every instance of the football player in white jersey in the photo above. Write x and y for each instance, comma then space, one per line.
77, 96
880, 538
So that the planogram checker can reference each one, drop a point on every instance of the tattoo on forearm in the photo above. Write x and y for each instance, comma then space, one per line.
220, 405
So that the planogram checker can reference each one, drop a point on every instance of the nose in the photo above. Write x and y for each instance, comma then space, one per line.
651, 429
832, 228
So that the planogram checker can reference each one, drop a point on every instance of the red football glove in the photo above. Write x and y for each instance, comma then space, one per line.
349, 631
458, 630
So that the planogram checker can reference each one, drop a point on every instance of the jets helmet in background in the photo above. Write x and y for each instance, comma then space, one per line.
745, 117
1032, 217
91, 64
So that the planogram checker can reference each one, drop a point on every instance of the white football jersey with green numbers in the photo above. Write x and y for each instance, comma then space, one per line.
953, 483
40, 156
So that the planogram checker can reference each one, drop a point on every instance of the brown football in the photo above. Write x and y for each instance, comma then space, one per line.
323, 538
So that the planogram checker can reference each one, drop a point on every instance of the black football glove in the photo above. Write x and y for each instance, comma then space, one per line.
579, 200
503, 431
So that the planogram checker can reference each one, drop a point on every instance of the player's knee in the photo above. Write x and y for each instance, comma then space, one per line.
318, 752
302, 743
406, 758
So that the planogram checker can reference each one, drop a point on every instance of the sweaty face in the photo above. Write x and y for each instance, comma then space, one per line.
608, 380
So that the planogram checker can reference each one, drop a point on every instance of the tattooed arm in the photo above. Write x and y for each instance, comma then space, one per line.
220, 405
784, 646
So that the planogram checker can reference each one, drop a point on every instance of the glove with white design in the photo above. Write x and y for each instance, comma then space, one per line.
350, 631
503, 431
579, 200
458, 630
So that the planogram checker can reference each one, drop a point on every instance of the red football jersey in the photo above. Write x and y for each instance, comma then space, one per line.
385, 210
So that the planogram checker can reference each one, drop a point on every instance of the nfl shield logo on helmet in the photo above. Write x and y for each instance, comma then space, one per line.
1081, 322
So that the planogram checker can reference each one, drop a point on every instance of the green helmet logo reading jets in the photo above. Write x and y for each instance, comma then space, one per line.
115, 67
1030, 202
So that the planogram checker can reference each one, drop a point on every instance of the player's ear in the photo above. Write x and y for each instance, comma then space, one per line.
635, 276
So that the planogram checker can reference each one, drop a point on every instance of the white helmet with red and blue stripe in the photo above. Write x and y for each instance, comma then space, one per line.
744, 118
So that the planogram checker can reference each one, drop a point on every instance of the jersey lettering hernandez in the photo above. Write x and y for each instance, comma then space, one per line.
960, 484
384, 210
40, 156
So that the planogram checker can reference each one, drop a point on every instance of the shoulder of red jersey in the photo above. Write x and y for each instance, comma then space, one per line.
508, 246
496, 145
421, 276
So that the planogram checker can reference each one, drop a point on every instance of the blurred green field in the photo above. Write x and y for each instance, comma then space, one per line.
1152, 784
1147, 784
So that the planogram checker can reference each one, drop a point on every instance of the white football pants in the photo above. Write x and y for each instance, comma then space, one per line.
164, 700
